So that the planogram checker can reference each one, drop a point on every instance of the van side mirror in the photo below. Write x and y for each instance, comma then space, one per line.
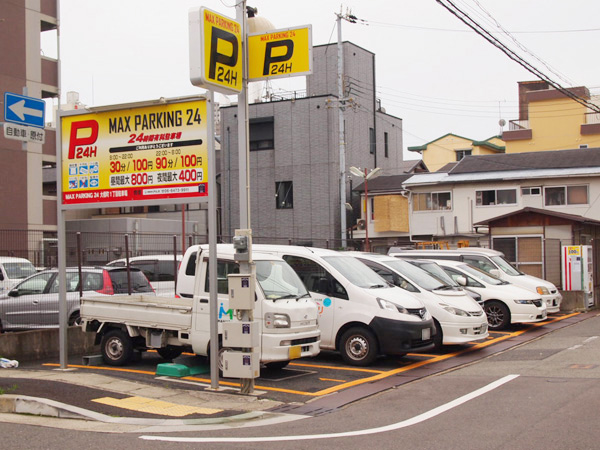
13, 293
496, 273
462, 280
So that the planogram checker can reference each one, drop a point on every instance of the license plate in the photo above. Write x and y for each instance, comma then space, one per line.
295, 352
425, 334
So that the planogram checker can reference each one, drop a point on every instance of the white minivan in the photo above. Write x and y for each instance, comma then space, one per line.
504, 303
159, 269
13, 270
360, 314
493, 262
458, 318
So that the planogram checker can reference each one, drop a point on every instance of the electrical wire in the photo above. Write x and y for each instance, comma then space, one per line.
471, 23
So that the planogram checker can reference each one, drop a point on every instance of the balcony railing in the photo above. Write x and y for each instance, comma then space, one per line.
514, 125
592, 117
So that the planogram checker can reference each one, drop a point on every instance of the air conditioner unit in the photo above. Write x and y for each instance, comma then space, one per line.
361, 224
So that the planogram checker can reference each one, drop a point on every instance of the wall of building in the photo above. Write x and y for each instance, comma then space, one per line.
306, 141
466, 212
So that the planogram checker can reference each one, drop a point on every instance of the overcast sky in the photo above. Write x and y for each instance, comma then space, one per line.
431, 71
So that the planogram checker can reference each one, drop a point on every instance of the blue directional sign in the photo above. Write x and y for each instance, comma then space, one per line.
24, 110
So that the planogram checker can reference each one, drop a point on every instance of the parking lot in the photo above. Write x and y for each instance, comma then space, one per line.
307, 379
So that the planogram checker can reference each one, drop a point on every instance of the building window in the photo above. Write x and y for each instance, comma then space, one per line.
531, 191
372, 141
386, 144
496, 197
284, 195
432, 201
460, 154
523, 252
566, 195
262, 134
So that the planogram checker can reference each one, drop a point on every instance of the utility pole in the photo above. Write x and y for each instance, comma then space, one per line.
342, 142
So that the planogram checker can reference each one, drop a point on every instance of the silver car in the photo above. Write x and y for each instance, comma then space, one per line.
33, 303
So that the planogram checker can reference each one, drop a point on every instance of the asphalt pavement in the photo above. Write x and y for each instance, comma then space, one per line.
116, 401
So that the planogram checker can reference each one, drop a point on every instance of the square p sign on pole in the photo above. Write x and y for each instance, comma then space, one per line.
215, 51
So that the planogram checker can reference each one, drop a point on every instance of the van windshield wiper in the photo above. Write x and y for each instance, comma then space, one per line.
286, 296
376, 286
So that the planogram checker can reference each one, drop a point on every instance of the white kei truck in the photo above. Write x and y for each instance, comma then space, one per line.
285, 312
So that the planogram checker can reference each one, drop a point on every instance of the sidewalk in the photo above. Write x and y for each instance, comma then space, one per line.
75, 394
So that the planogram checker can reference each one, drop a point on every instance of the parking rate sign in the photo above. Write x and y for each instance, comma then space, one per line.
215, 51
136, 155
280, 53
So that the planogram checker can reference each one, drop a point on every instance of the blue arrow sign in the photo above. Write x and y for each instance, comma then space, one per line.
23, 110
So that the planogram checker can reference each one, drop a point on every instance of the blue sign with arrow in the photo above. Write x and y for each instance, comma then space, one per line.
24, 110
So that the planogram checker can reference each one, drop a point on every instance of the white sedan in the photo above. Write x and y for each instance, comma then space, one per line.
504, 303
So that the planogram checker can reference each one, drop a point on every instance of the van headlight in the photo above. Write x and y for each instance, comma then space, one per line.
524, 302
277, 320
384, 304
456, 311
542, 290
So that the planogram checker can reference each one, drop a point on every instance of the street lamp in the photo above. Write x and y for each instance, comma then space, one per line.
366, 175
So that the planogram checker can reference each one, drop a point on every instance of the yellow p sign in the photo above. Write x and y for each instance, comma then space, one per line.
280, 53
215, 51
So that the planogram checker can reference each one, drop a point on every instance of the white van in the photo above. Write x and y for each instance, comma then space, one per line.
286, 314
159, 269
458, 318
360, 314
13, 270
504, 303
493, 262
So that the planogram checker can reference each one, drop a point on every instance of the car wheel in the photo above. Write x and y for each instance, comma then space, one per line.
498, 315
358, 347
75, 319
169, 352
277, 365
116, 347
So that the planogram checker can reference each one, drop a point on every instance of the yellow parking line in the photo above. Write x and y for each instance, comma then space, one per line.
331, 379
354, 369
152, 406
379, 374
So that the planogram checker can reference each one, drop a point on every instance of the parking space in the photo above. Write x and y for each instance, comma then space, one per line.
307, 379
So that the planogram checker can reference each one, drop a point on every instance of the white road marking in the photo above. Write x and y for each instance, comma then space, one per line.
590, 339
395, 426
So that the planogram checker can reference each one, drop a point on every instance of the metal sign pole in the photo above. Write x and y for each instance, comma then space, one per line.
212, 243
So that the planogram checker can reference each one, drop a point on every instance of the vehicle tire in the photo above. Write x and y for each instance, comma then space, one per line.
169, 352
277, 365
75, 319
358, 347
116, 347
438, 338
498, 315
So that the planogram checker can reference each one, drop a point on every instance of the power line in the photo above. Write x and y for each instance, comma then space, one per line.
471, 23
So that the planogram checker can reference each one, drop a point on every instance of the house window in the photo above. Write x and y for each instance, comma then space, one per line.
531, 191
372, 141
460, 154
566, 195
284, 195
262, 134
386, 144
432, 201
496, 197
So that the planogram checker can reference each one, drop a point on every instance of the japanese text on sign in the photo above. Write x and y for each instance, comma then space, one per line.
147, 153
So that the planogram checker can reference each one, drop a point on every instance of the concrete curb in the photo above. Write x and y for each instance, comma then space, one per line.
22, 404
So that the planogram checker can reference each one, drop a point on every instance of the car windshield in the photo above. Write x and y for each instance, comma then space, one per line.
356, 272
416, 274
507, 267
278, 280
19, 270
481, 275
139, 282
436, 271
